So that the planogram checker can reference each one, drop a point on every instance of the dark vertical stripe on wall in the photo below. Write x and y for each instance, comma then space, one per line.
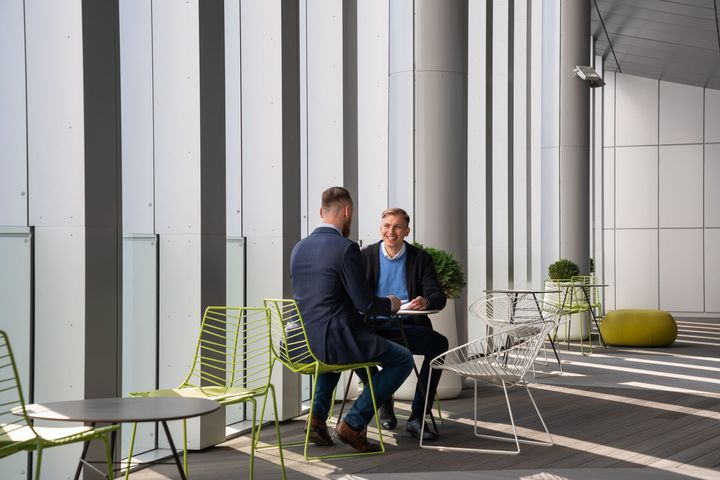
488, 144
511, 142
213, 262
290, 25
103, 203
103, 259
350, 107
528, 139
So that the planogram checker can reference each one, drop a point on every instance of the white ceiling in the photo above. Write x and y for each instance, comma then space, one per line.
673, 40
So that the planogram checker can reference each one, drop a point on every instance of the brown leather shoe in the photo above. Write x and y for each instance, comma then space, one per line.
319, 434
355, 439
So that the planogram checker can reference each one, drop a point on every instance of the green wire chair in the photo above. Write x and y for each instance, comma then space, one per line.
17, 432
590, 298
290, 347
233, 364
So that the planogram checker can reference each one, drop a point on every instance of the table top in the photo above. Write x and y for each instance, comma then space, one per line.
519, 291
119, 410
410, 313
583, 285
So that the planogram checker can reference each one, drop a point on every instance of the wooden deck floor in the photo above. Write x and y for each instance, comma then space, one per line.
655, 410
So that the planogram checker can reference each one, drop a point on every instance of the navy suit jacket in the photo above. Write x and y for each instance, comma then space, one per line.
329, 285
420, 278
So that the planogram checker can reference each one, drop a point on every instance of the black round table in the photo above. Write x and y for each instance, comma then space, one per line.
124, 410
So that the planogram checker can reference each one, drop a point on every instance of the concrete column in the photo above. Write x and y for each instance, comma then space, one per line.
574, 134
428, 54
565, 135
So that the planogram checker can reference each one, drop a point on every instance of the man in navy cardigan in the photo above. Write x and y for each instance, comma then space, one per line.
329, 285
393, 266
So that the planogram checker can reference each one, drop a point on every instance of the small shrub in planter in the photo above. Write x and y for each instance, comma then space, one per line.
563, 269
449, 271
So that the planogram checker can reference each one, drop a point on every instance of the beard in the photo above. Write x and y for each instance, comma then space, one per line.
346, 228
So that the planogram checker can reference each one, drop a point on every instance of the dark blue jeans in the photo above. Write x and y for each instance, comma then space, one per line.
396, 363
422, 341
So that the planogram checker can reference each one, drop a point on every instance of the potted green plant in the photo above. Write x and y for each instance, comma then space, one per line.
561, 273
452, 281
563, 269
449, 271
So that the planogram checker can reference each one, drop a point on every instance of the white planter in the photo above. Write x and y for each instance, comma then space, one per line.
578, 326
450, 384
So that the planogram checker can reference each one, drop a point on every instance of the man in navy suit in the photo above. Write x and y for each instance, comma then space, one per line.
329, 285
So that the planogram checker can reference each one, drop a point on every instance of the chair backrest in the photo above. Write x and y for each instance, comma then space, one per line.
593, 294
11, 398
499, 310
504, 356
233, 350
289, 338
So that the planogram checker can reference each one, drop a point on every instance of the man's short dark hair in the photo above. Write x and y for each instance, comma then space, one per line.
397, 211
336, 197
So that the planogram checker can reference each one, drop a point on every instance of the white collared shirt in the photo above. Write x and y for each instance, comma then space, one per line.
398, 255
334, 227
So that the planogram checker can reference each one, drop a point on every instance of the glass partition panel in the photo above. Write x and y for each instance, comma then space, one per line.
15, 320
235, 296
140, 326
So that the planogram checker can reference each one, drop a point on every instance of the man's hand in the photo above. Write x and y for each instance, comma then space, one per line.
418, 303
395, 303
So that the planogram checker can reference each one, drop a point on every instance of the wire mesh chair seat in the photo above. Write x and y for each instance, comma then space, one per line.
291, 348
232, 364
501, 311
17, 432
501, 358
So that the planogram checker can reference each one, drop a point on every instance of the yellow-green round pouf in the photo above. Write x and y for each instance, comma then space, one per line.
638, 328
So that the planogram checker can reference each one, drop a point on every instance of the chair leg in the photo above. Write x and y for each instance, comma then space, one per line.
514, 439
252, 439
38, 462
185, 455
312, 402
277, 431
132, 444
108, 457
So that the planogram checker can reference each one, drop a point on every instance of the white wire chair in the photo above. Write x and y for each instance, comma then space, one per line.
501, 358
501, 310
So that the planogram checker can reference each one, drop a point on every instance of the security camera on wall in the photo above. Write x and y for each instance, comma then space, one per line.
588, 75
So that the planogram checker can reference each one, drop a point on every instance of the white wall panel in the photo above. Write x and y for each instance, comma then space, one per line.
372, 50
499, 105
56, 155
180, 310
261, 118
139, 329
636, 268
681, 113
550, 208
235, 296
233, 120
609, 110
609, 188
712, 267
536, 126
13, 141
59, 313
324, 101
179, 306
520, 148
401, 170
607, 275
681, 270
712, 115
636, 187
401, 44
136, 83
636, 110
681, 186
177, 116
476, 177
712, 185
